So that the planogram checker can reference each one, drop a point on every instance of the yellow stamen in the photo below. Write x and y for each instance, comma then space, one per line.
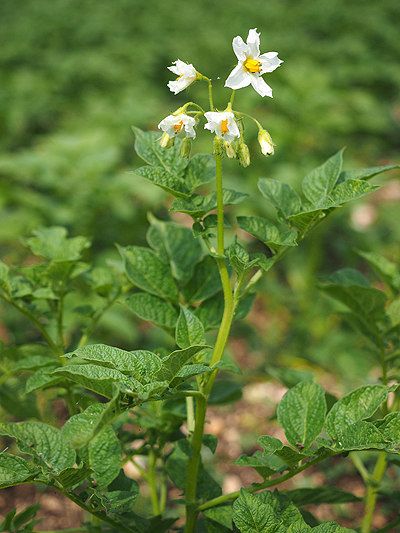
252, 65
224, 126
178, 126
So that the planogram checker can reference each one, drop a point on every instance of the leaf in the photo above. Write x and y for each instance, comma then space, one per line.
178, 245
151, 308
105, 457
146, 270
197, 206
141, 364
189, 329
365, 173
242, 261
386, 269
200, 170
172, 364
32, 362
348, 191
42, 379
45, 443
389, 427
53, 244
318, 495
4, 278
80, 428
353, 290
285, 200
14, 470
270, 444
320, 182
301, 412
205, 281
266, 512
147, 147
360, 436
221, 515
306, 219
393, 312
268, 233
162, 178
93, 377
354, 407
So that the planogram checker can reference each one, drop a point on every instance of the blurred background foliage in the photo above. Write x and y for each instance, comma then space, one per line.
76, 74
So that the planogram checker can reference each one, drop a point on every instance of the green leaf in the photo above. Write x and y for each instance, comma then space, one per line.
32, 362
386, 269
393, 312
306, 219
147, 147
320, 182
4, 278
45, 443
172, 364
80, 428
266, 512
359, 436
197, 206
318, 495
205, 281
189, 329
14, 470
242, 261
301, 413
285, 200
53, 244
141, 364
94, 377
162, 178
389, 427
177, 245
354, 407
331, 527
146, 270
105, 457
200, 170
353, 290
221, 515
151, 308
42, 379
268, 233
365, 173
269, 444
348, 191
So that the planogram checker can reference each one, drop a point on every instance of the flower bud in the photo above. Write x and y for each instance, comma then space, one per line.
218, 146
243, 154
186, 147
266, 143
230, 150
166, 141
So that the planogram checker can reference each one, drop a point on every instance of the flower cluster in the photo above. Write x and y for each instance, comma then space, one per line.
227, 125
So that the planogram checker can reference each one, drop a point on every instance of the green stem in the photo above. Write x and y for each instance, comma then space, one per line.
96, 318
232, 98
222, 337
372, 491
190, 414
152, 479
266, 484
210, 94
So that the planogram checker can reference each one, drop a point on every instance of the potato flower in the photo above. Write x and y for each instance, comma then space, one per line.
223, 124
186, 75
252, 65
266, 143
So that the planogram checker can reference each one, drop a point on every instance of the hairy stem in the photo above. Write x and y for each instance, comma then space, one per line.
222, 337
372, 491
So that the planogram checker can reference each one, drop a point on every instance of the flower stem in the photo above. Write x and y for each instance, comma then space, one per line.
222, 337
210, 95
372, 491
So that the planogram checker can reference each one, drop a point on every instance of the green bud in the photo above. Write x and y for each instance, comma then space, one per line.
230, 150
218, 146
186, 147
266, 143
243, 154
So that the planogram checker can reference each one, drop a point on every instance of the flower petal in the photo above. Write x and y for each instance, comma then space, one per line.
240, 48
260, 86
238, 78
269, 62
253, 42
179, 85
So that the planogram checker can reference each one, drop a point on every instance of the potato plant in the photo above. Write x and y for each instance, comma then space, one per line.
192, 282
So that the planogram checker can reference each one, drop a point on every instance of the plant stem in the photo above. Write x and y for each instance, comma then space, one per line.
222, 337
372, 490
152, 479
268, 483
210, 95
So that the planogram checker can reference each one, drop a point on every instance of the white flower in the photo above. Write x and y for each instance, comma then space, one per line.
174, 124
266, 143
186, 75
223, 124
252, 65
